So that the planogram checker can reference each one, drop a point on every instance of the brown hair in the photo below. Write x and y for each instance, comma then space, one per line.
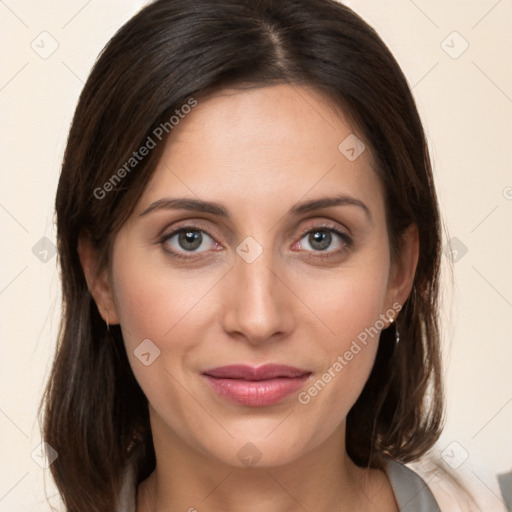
96, 415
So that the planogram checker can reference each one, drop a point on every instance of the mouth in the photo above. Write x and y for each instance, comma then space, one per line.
256, 386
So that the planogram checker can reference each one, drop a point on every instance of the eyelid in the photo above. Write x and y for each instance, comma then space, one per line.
326, 224
192, 225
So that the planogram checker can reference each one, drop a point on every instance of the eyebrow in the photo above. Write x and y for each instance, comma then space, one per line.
198, 205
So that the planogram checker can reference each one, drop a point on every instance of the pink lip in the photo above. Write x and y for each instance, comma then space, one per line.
264, 385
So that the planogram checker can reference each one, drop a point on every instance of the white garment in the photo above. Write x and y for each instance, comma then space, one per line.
411, 492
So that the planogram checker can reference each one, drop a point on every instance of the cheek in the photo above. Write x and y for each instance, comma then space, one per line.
349, 307
157, 306
348, 300
170, 308
154, 303
348, 356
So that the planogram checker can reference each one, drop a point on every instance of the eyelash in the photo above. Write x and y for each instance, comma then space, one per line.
346, 241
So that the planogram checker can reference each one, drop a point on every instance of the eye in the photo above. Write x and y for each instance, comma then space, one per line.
190, 242
325, 239
188, 239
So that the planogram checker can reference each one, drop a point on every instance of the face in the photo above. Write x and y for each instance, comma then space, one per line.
255, 269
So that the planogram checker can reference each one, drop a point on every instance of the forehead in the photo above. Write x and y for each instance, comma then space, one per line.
277, 143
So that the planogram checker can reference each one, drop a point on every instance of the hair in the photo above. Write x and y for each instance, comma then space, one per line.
95, 413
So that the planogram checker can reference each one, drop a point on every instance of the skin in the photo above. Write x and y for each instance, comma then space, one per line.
289, 306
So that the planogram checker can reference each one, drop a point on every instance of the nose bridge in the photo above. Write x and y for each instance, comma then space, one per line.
257, 308
257, 282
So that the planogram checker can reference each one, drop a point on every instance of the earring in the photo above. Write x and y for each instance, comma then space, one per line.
397, 334
106, 321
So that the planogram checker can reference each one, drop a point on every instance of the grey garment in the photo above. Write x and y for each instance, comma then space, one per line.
411, 492
127, 498
505, 481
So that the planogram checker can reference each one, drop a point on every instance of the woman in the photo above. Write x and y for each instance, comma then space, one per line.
249, 239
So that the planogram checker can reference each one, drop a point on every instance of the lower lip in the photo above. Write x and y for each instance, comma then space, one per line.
256, 393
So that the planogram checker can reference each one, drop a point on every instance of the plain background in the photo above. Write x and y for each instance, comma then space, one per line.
465, 99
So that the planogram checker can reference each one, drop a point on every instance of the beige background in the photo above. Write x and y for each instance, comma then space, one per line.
465, 100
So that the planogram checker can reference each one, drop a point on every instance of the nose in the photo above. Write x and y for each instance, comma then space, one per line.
259, 308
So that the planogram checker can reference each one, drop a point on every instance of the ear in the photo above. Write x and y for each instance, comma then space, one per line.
98, 282
403, 269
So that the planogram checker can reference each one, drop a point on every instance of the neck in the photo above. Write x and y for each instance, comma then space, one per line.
185, 479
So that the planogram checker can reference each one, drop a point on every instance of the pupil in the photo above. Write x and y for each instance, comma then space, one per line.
320, 240
190, 239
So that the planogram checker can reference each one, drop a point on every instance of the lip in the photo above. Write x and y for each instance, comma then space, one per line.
256, 386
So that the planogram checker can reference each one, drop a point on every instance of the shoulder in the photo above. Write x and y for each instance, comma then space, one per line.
459, 491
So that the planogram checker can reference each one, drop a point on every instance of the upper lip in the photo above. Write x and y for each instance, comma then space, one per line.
264, 372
